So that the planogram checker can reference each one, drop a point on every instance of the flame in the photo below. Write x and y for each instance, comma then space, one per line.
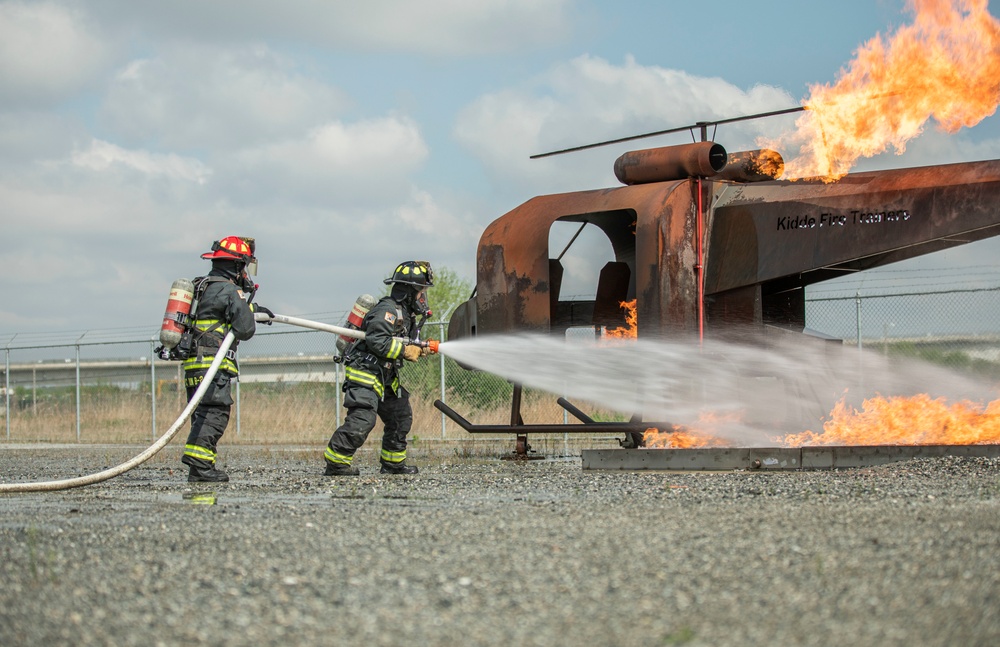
945, 65
700, 435
917, 420
680, 438
631, 331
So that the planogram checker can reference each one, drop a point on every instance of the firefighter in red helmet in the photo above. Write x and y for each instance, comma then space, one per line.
371, 380
224, 304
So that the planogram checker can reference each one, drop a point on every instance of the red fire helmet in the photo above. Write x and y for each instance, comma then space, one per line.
230, 247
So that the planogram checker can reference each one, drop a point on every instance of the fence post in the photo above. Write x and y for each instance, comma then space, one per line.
861, 358
6, 393
857, 315
78, 389
441, 357
152, 384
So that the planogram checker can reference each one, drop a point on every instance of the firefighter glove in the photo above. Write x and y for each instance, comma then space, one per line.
412, 352
256, 307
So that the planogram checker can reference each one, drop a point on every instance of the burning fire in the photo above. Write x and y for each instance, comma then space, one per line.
945, 65
631, 330
701, 435
917, 420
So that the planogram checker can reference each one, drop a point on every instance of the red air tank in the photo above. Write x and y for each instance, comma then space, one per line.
354, 320
361, 307
178, 308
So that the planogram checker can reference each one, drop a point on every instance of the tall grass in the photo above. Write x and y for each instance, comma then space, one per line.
272, 414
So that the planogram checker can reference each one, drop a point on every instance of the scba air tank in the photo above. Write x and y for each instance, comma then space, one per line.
178, 309
361, 307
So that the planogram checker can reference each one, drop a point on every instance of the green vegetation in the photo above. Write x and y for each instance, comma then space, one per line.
955, 360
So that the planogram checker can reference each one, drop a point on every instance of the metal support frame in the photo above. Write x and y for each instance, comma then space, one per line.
631, 429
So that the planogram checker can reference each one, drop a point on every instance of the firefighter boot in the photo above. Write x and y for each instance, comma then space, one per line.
340, 469
398, 468
200, 474
203, 471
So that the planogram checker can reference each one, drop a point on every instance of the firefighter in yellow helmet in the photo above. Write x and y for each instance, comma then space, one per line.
225, 303
371, 381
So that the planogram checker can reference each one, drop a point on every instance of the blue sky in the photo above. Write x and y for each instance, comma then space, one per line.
348, 136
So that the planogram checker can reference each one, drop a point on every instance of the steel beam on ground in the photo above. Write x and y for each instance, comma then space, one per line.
771, 458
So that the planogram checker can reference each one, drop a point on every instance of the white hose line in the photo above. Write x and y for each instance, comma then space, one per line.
48, 486
315, 325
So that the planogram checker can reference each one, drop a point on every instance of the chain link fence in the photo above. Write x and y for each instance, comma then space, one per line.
957, 329
289, 391
102, 390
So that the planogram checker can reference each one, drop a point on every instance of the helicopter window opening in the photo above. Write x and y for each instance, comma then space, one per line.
584, 252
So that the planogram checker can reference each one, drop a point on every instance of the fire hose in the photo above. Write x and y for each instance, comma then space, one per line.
431, 345
65, 484
98, 477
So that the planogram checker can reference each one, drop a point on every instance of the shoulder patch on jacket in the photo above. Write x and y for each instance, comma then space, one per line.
391, 318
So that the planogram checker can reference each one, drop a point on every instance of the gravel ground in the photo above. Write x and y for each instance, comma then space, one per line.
478, 551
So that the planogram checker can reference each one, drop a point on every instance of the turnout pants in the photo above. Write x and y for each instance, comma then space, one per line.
210, 417
363, 405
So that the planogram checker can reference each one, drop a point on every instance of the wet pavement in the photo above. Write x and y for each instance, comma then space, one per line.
480, 551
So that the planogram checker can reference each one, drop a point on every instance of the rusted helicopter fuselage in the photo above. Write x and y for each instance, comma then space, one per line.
713, 253
702, 255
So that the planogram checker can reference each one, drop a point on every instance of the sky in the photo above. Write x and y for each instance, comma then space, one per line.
346, 137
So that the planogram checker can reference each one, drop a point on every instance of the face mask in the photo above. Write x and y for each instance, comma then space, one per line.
245, 282
420, 303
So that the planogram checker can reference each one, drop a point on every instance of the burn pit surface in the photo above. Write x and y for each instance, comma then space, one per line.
773, 458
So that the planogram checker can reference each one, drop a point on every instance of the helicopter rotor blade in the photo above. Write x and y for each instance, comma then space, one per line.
700, 124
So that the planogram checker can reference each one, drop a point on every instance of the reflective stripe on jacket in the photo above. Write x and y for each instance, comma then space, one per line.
221, 309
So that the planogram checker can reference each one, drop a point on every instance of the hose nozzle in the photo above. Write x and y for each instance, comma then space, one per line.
431, 345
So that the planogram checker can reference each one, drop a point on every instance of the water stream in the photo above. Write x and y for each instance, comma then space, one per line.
751, 393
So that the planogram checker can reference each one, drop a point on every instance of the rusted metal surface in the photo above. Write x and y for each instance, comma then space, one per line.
710, 257
752, 166
763, 243
808, 231
772, 458
703, 159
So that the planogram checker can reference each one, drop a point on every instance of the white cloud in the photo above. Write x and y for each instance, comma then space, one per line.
47, 52
344, 164
435, 27
422, 213
204, 96
588, 100
101, 156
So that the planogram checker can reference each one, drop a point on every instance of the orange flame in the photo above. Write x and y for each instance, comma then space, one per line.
631, 331
918, 420
700, 435
679, 438
945, 65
